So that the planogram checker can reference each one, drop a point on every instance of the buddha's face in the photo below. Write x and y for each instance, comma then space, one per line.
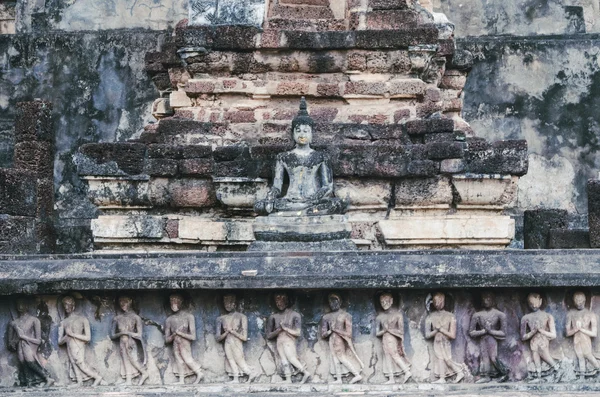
229, 302
68, 304
303, 134
534, 301
579, 300
487, 300
386, 301
439, 301
21, 306
125, 303
175, 301
335, 302
281, 301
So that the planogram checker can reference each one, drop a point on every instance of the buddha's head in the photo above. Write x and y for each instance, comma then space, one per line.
176, 302
386, 300
579, 300
22, 306
535, 301
125, 303
487, 300
302, 126
229, 302
439, 301
69, 304
335, 302
281, 301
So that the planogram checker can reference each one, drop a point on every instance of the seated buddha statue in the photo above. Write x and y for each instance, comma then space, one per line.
310, 189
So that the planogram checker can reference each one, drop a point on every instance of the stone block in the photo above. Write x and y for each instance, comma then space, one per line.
538, 223
406, 88
200, 229
179, 99
128, 157
161, 167
364, 88
363, 194
430, 126
485, 190
196, 151
33, 122
18, 192
318, 40
593, 192
446, 150
45, 199
128, 227
17, 234
568, 239
400, 38
328, 90
240, 192
423, 192
452, 166
196, 167
35, 156
392, 19
161, 151
293, 88
237, 37
178, 126
115, 193
502, 157
475, 231
388, 4
191, 193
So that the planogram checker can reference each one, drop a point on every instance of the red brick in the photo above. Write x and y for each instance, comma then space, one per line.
292, 88
323, 115
364, 88
401, 115
200, 87
229, 84
240, 116
172, 228
325, 89
356, 61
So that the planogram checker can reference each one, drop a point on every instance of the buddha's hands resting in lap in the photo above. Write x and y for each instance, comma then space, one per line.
321, 193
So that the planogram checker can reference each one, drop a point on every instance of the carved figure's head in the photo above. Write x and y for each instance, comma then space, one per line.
439, 301
229, 302
125, 303
534, 300
335, 301
68, 303
176, 302
302, 126
22, 306
579, 300
488, 300
386, 300
281, 300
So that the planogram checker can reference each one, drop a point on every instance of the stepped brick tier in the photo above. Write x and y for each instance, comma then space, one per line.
106, 319
383, 83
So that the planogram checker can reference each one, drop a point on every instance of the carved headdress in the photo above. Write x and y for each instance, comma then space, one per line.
302, 118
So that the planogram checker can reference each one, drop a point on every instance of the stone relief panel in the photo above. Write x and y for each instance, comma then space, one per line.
209, 12
362, 336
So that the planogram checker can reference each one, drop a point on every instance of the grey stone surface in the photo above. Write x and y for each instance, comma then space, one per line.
362, 269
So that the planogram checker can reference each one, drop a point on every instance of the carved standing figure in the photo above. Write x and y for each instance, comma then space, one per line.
284, 328
582, 325
310, 190
232, 330
390, 328
127, 327
180, 330
440, 325
336, 327
538, 328
74, 331
489, 325
24, 337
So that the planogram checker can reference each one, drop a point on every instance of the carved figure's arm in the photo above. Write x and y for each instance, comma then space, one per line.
571, 329
191, 325
524, 334
326, 179
37, 333
272, 332
221, 335
501, 332
593, 331
325, 329
62, 337
430, 332
86, 336
473, 331
169, 335
113, 330
138, 329
295, 330
278, 177
398, 331
551, 333
243, 336
347, 329
379, 331
451, 331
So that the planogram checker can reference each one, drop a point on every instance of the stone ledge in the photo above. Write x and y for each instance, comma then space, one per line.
318, 390
392, 269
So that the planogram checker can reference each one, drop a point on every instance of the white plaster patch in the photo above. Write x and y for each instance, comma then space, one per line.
548, 184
